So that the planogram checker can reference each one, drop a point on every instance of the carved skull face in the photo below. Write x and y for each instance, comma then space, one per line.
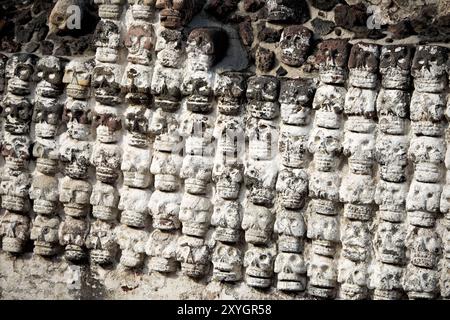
101, 241
44, 233
258, 224
292, 146
14, 189
142, 9
326, 147
322, 274
387, 281
395, 64
134, 203
262, 136
199, 88
20, 69
427, 113
75, 195
198, 131
352, 276
137, 123
194, 256
393, 109
16, 151
161, 247
427, 154
108, 125
227, 219
287, 11
295, 98
197, 172
230, 90
3, 60
295, 43
47, 153
292, 186
106, 80
136, 84
175, 13
425, 245
428, 68
324, 231
445, 201
391, 198
228, 262
324, 185
72, 235
106, 158
166, 128
332, 59
329, 103
165, 208
228, 179
360, 108
50, 71
356, 239
136, 167
77, 117
262, 95
169, 48
17, 112
259, 264
166, 168
77, 77
420, 283
360, 148
195, 215
15, 232
140, 41
47, 116
44, 193
260, 179
131, 242
392, 156
389, 242
109, 9
422, 203
75, 156
290, 227
104, 201
229, 133
291, 272
166, 84
363, 65
357, 191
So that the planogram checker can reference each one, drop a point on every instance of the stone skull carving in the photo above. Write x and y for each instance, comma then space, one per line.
132, 243
47, 116
50, 72
17, 112
227, 219
357, 192
75, 156
322, 273
262, 95
387, 281
395, 66
420, 283
391, 198
356, 241
77, 117
136, 167
72, 235
106, 84
228, 262
324, 185
422, 203
260, 178
20, 69
16, 151
326, 146
392, 156
292, 145
290, 227
108, 124
287, 11
360, 150
428, 155
161, 247
389, 243
292, 187
262, 137
332, 60
104, 200
363, 65
393, 110
44, 193
228, 179
175, 13
165, 127
134, 203
107, 159
425, 245
360, 108
259, 264
14, 188
427, 113
230, 88
197, 173
198, 131
324, 232
295, 100
229, 134
166, 168
195, 214
109, 9
165, 210
428, 68
140, 42
77, 77
169, 49
137, 122
75, 195
101, 241
44, 233
258, 224
14, 231
47, 153
142, 9
136, 85
353, 277
329, 104
294, 45
194, 256
291, 272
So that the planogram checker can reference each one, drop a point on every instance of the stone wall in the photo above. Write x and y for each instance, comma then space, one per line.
224, 149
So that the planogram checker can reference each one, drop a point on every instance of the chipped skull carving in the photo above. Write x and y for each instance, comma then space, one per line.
363, 65
14, 231
230, 88
77, 78
387, 281
427, 113
295, 99
47, 153
77, 117
44, 233
166, 168
165, 127
75, 156
322, 274
136, 85
292, 146
165, 209
326, 147
104, 200
136, 167
17, 112
106, 80
227, 219
109, 9
356, 239
360, 150
290, 227
75, 195
427, 154
108, 125
428, 68
20, 69
47, 116
195, 215
287, 11
292, 186
393, 110
259, 264
101, 241
395, 66
197, 130
262, 95
425, 246
107, 159
392, 156
329, 104
45, 195
258, 223
229, 133
140, 40
332, 59
50, 72
16, 151
260, 178
422, 203
389, 243
228, 262
142, 9
161, 248
134, 203
391, 198
262, 135
132, 243
175, 13
324, 185
197, 173
72, 235
291, 272
360, 108
194, 256
228, 179
14, 188
137, 120
294, 45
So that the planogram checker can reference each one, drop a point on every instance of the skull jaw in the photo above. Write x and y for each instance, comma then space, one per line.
13, 245
74, 253
13, 203
102, 257
298, 284
163, 265
194, 229
257, 237
427, 128
137, 180
44, 207
289, 243
380, 294
77, 92
166, 222
133, 218
319, 291
352, 292
130, 259
166, 182
45, 249
227, 234
422, 218
363, 79
104, 213
193, 270
76, 210
231, 275
360, 212
47, 166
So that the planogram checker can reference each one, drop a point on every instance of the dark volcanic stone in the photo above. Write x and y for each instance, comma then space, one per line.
253, 5
325, 5
401, 29
352, 18
322, 27
221, 9
246, 33
268, 35
264, 59
281, 72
